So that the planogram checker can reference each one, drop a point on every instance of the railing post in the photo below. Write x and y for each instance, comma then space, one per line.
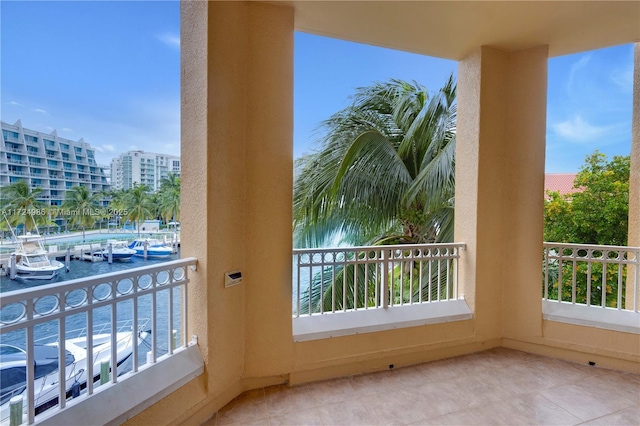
384, 290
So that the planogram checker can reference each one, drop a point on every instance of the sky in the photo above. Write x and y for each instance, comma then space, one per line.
109, 72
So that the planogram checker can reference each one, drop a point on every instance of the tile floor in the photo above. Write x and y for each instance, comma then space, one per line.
495, 387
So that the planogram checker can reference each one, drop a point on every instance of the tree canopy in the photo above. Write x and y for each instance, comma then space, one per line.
598, 212
384, 172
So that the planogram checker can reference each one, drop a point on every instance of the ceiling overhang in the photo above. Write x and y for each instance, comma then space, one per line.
453, 29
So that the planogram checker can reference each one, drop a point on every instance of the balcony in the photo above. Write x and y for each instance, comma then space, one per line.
394, 287
498, 386
105, 307
237, 204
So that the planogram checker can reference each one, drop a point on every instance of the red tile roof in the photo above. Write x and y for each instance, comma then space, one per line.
561, 182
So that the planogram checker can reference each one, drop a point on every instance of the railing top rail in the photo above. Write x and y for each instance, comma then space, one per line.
39, 291
590, 246
385, 247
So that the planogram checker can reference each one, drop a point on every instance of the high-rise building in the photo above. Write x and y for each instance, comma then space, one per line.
48, 162
144, 168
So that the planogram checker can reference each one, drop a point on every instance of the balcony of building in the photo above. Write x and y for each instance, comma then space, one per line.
237, 121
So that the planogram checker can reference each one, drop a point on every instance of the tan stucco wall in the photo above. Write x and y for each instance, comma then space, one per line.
499, 169
237, 82
634, 178
341, 356
269, 192
237, 133
634, 184
523, 203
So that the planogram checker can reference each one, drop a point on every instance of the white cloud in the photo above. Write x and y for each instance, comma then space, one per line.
108, 147
623, 78
99, 149
579, 130
41, 111
14, 103
171, 40
66, 129
575, 69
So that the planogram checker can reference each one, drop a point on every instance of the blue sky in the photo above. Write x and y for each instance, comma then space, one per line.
110, 72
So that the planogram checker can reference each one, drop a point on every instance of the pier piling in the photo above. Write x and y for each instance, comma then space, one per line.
104, 372
12, 270
15, 410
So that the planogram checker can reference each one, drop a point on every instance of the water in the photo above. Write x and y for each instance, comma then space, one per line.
82, 269
64, 241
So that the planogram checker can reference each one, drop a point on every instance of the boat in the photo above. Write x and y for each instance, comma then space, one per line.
32, 261
119, 250
155, 248
13, 364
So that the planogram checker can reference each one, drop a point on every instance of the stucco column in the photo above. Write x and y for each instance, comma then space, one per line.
634, 179
269, 192
499, 188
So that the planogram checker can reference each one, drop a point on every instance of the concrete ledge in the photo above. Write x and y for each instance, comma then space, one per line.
115, 403
323, 326
592, 316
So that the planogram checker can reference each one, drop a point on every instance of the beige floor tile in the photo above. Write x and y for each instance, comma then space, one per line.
368, 384
392, 407
558, 372
246, 407
458, 418
499, 386
474, 391
253, 422
349, 412
526, 410
439, 371
283, 399
629, 416
330, 391
586, 403
433, 400
305, 417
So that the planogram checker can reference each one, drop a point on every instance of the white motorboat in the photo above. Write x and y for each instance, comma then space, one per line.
155, 248
119, 250
32, 261
13, 365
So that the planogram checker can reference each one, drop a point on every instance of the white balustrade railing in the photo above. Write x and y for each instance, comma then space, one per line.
592, 275
157, 292
358, 278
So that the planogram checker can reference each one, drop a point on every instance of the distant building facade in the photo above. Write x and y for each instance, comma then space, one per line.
143, 168
48, 162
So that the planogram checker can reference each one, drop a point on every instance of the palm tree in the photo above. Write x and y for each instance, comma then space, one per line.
21, 206
169, 197
116, 204
138, 204
83, 208
384, 173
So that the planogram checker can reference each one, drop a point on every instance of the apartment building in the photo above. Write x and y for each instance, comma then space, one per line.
145, 168
49, 162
